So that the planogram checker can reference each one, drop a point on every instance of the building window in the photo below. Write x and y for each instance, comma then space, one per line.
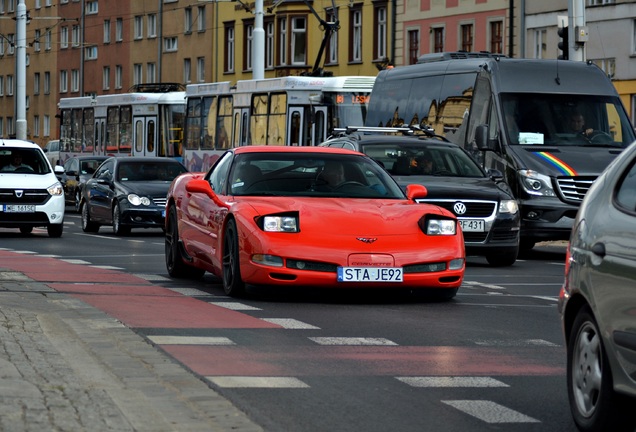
119, 30
269, 45
119, 79
187, 71
91, 7
467, 37
201, 69
540, 43
201, 19
355, 35
9, 85
438, 39
170, 44
138, 27
414, 46
380, 33
1, 86
76, 35
496, 37
75, 80
106, 31
607, 65
187, 23
36, 42
331, 57
10, 126
47, 82
1, 126
47, 125
90, 53
282, 42
63, 81
229, 49
36, 83
106, 78
599, 2
248, 54
11, 43
137, 74
64, 37
151, 72
152, 25
36, 125
299, 41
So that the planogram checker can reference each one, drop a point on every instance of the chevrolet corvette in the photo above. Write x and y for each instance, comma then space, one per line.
309, 217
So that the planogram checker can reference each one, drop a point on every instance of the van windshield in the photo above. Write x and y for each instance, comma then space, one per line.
566, 120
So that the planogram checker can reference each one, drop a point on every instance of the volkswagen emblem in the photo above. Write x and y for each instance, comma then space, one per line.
459, 208
366, 239
19, 193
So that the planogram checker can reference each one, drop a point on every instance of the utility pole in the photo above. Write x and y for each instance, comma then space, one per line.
258, 50
577, 30
20, 66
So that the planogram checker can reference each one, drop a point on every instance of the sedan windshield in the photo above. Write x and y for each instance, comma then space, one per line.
308, 174
413, 158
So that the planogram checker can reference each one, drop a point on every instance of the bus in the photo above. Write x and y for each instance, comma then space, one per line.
149, 121
293, 110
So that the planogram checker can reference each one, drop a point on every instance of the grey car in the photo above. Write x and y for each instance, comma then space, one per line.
598, 302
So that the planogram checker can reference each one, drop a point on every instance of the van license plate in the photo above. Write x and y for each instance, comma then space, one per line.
472, 225
370, 274
19, 208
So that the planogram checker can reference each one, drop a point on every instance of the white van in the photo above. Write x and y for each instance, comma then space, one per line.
30, 193
52, 150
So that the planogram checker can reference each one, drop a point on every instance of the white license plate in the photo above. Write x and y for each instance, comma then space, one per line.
19, 208
370, 274
474, 225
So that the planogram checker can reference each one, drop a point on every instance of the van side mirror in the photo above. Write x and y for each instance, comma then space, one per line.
481, 137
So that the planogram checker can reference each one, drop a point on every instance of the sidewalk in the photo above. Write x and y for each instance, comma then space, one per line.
66, 366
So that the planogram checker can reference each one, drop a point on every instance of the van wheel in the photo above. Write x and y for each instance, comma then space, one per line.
26, 230
55, 231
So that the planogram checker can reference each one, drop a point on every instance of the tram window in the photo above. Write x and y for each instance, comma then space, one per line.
112, 129
89, 126
150, 136
125, 127
319, 126
245, 138
294, 133
139, 136
209, 124
276, 127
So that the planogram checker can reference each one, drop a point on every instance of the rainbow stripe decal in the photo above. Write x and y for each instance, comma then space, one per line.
557, 163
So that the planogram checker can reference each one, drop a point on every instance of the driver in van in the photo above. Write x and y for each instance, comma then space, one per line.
577, 124
16, 163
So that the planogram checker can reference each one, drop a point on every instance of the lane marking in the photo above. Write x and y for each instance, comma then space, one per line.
489, 411
290, 323
151, 277
235, 306
97, 236
352, 341
256, 382
191, 292
75, 261
107, 267
190, 340
437, 382
515, 343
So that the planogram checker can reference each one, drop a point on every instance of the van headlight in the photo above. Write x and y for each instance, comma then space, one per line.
55, 189
536, 184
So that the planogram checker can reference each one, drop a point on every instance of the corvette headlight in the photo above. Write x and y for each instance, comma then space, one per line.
440, 226
55, 189
280, 223
508, 206
536, 184
136, 200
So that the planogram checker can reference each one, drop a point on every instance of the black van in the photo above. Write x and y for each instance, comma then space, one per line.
551, 126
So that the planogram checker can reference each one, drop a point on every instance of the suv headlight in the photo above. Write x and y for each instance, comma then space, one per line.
535, 183
508, 206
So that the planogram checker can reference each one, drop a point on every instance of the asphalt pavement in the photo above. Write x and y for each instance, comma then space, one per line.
67, 366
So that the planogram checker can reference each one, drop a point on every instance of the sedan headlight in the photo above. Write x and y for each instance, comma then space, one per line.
280, 223
438, 226
508, 206
55, 189
136, 200
536, 184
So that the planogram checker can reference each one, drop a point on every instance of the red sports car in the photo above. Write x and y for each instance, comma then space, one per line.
309, 217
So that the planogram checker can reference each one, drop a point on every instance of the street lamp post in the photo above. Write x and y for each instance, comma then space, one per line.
21, 122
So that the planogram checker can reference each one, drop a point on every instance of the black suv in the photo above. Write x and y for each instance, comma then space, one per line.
482, 201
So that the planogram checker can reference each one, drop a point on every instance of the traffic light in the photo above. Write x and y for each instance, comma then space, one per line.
564, 44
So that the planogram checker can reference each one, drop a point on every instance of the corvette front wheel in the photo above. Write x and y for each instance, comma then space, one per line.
232, 282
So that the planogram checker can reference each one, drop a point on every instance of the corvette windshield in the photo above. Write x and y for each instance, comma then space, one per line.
311, 174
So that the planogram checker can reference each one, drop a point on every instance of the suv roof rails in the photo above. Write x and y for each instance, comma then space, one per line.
413, 130
456, 55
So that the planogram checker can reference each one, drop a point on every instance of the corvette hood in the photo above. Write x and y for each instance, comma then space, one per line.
347, 216
566, 161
